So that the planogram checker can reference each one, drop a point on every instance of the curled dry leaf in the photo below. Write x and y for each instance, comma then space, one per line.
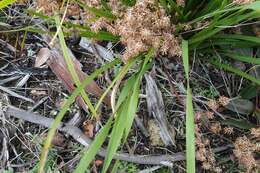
42, 57
155, 107
58, 65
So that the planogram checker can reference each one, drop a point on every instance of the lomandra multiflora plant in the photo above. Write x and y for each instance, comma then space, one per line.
160, 28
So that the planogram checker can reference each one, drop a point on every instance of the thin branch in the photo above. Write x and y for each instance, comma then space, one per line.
80, 137
14, 94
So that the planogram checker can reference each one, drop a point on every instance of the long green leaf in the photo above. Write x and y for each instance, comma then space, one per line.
121, 74
243, 58
101, 35
5, 3
235, 70
98, 12
239, 123
127, 110
116, 137
190, 134
133, 101
239, 37
119, 125
225, 22
71, 68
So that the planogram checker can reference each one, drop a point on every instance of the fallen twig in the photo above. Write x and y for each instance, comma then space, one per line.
14, 94
80, 137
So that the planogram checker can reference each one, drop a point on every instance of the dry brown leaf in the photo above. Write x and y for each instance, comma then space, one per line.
58, 140
88, 128
58, 65
42, 57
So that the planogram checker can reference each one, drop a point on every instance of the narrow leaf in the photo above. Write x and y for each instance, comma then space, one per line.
190, 134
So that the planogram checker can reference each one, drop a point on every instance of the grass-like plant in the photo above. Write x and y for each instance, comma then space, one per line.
211, 40
219, 15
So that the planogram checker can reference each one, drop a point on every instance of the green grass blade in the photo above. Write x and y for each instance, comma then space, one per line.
90, 153
116, 137
229, 8
101, 35
243, 58
190, 134
98, 12
71, 68
239, 37
253, 6
115, 167
127, 107
133, 101
121, 74
65, 108
128, 2
214, 27
125, 91
132, 104
175, 7
119, 125
236, 71
5, 3
185, 59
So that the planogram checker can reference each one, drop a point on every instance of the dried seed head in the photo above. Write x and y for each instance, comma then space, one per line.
228, 130
212, 104
180, 2
47, 6
215, 127
223, 100
255, 132
244, 151
146, 27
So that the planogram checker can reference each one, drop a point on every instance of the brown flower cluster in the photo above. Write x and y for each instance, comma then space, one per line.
245, 150
142, 26
204, 153
203, 115
180, 2
215, 104
48, 7
216, 128
255, 132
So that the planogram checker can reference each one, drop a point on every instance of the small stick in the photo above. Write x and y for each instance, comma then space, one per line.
14, 94
79, 136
